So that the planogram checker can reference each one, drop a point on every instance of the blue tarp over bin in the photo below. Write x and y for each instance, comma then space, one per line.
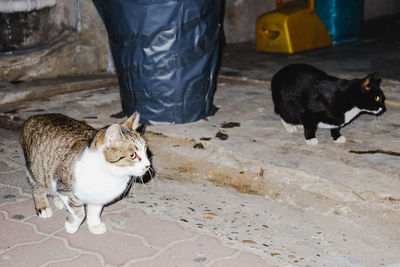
166, 54
342, 18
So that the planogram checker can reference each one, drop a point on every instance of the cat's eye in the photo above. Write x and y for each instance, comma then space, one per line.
377, 98
133, 155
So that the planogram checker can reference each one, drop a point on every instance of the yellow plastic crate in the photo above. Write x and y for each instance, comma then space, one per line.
291, 28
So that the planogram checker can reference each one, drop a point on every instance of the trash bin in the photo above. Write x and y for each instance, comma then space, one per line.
166, 55
343, 19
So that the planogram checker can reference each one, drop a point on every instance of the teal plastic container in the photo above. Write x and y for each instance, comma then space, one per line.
342, 18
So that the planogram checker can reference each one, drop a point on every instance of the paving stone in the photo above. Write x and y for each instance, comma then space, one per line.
116, 248
13, 233
83, 260
4, 167
56, 222
157, 232
16, 178
8, 194
11, 149
37, 254
117, 206
198, 252
24, 208
244, 259
50, 225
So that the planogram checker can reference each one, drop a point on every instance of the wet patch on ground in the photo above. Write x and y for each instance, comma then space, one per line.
171, 162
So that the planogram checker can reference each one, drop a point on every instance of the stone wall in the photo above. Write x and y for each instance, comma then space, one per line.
240, 18
80, 48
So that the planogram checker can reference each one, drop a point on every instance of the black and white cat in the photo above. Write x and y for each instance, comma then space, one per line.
305, 95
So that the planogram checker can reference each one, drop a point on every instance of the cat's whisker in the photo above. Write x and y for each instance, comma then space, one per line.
152, 182
133, 188
377, 121
152, 173
151, 169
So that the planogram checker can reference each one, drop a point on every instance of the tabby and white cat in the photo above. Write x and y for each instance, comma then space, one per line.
81, 166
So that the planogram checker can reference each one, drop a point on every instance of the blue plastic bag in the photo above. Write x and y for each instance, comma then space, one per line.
166, 55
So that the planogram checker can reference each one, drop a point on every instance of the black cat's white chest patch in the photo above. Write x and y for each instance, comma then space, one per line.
348, 116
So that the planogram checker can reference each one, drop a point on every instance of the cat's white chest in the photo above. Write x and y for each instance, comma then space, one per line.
351, 114
94, 182
348, 116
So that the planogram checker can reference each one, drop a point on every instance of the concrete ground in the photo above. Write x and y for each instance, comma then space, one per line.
233, 190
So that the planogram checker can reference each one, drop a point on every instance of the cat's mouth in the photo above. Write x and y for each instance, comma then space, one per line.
138, 172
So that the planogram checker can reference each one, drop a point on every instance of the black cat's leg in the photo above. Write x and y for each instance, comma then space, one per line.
290, 128
337, 137
335, 133
310, 129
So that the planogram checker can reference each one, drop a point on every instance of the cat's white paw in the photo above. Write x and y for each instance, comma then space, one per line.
291, 128
312, 141
46, 213
71, 228
58, 203
340, 140
98, 229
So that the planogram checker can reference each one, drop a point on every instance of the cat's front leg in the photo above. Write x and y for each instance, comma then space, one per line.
76, 212
93, 219
337, 137
310, 129
41, 201
58, 203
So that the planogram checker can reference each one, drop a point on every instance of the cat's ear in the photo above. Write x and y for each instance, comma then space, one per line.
366, 83
375, 76
114, 135
132, 122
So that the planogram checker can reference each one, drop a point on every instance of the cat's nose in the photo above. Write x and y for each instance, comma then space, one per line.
146, 167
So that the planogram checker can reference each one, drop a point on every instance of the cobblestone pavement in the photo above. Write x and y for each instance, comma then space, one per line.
133, 237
